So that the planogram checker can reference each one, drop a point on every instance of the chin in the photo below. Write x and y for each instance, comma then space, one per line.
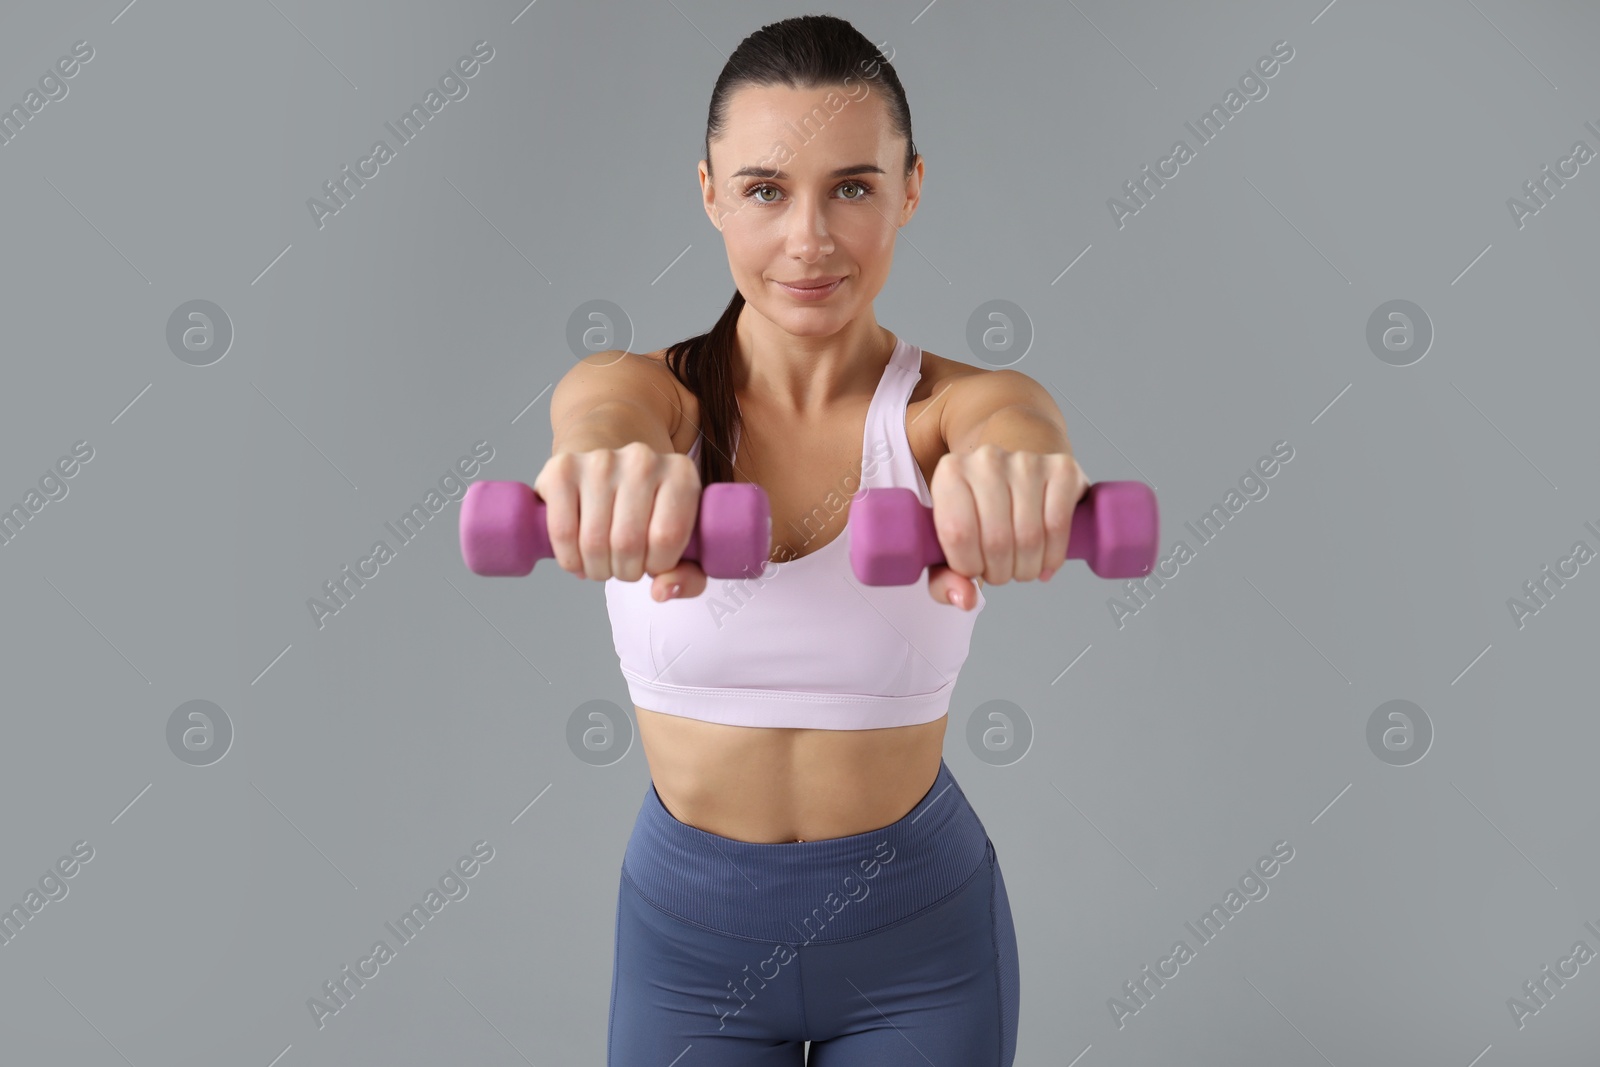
812, 322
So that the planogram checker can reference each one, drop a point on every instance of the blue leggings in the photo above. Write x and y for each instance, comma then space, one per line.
893, 947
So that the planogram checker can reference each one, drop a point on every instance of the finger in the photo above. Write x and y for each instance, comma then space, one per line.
630, 522
943, 582
673, 514
991, 491
595, 496
955, 523
1027, 484
687, 576
1062, 491
560, 496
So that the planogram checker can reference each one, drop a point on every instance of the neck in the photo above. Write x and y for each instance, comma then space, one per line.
806, 374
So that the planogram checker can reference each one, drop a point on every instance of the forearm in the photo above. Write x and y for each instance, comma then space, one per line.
1023, 429
611, 425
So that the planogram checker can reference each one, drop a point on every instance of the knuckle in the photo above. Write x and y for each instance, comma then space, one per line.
598, 468
636, 455
669, 535
628, 543
958, 537
562, 527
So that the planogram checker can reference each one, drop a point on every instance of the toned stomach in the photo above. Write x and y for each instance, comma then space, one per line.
773, 785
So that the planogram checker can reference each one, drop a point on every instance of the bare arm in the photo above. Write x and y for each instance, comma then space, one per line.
611, 399
1005, 408
620, 500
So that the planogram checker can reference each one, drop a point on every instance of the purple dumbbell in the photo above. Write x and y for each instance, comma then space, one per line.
892, 539
503, 531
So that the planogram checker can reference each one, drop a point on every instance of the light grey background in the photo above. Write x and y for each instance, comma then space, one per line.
433, 710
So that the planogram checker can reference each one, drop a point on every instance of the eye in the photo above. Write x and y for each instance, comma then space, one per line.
754, 192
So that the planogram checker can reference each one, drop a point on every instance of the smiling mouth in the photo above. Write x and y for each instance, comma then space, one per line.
812, 291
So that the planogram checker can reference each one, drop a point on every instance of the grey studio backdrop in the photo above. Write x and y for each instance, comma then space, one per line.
1374, 679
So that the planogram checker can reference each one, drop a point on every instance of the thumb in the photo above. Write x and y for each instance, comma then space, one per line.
687, 574
944, 582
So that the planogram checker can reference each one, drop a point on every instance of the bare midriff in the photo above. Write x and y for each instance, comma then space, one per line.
767, 784
770, 785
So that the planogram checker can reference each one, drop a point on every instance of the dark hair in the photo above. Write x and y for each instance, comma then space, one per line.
805, 52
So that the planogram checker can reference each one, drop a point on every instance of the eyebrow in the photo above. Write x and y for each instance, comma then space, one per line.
842, 172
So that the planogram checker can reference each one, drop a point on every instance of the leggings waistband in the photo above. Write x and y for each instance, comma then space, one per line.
804, 891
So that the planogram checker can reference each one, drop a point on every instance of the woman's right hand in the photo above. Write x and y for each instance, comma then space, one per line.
624, 513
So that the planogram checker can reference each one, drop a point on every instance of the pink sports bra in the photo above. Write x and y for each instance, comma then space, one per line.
805, 644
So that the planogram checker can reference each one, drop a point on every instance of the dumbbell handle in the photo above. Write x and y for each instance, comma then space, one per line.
504, 531
1114, 529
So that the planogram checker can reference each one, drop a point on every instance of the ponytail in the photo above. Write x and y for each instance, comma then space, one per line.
704, 364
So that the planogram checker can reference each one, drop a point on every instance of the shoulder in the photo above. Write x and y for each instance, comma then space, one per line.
956, 390
948, 384
939, 373
688, 405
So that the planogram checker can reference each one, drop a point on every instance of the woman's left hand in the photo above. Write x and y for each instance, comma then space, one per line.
1001, 515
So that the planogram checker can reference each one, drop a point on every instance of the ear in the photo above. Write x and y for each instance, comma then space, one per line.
708, 194
913, 191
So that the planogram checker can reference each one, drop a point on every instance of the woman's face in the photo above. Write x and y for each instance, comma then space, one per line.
809, 185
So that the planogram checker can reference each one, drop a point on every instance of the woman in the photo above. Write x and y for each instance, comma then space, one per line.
804, 868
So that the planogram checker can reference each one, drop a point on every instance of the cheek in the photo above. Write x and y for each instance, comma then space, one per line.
751, 231
874, 235
872, 247
746, 244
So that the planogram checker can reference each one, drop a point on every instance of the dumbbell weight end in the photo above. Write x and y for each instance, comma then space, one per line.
893, 540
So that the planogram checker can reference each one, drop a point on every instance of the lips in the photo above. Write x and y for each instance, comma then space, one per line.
810, 288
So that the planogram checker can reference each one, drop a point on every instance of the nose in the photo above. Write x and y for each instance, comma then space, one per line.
806, 229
